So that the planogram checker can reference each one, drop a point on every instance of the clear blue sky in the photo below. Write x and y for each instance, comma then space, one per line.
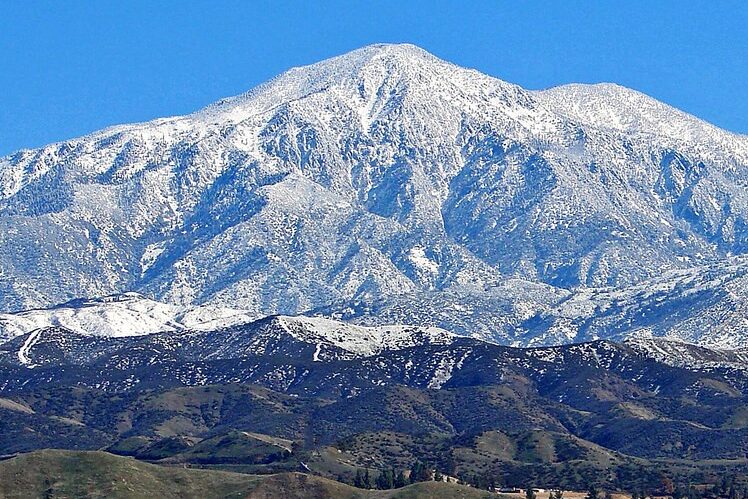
68, 68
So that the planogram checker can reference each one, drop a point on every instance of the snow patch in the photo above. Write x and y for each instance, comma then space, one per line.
418, 256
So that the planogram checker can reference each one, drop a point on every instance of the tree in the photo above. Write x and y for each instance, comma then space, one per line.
400, 480
592, 492
668, 487
438, 476
608, 495
367, 479
419, 473
490, 482
559, 494
530, 494
450, 467
724, 485
381, 481
359, 480
385, 480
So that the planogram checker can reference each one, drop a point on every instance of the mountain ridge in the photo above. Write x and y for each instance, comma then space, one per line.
377, 175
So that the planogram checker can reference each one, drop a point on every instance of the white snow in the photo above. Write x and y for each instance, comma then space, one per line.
330, 175
315, 357
360, 340
422, 262
23, 352
129, 314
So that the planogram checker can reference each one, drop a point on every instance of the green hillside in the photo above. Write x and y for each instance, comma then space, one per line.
73, 474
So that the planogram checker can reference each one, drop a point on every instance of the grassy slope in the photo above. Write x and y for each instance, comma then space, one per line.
56, 473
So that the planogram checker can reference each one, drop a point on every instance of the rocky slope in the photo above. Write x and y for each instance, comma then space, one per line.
383, 174
704, 305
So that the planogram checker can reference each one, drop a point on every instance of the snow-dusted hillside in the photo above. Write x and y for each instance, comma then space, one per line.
386, 179
689, 356
359, 340
313, 338
128, 314
705, 305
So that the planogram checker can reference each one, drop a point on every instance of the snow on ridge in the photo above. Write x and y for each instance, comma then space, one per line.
612, 106
361, 340
681, 354
131, 314
126, 314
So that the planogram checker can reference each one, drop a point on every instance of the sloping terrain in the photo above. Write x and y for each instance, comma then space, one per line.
128, 314
360, 182
705, 305
99, 474
267, 398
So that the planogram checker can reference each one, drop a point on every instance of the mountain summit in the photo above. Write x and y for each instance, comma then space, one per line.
376, 179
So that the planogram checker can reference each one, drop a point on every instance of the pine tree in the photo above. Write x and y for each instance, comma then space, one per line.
491, 483
426, 474
420, 473
723, 486
608, 495
450, 468
380, 482
530, 494
367, 479
438, 476
559, 494
415, 472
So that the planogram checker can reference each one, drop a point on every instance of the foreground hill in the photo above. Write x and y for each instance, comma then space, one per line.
53, 473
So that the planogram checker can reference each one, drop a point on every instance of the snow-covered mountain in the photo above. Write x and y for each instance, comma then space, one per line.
316, 355
388, 180
706, 305
128, 314
302, 338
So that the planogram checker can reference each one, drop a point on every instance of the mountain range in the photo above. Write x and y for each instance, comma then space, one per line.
313, 395
386, 186
379, 264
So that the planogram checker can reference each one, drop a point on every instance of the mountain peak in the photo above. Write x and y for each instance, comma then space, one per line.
380, 174
397, 50
359, 73
393, 55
